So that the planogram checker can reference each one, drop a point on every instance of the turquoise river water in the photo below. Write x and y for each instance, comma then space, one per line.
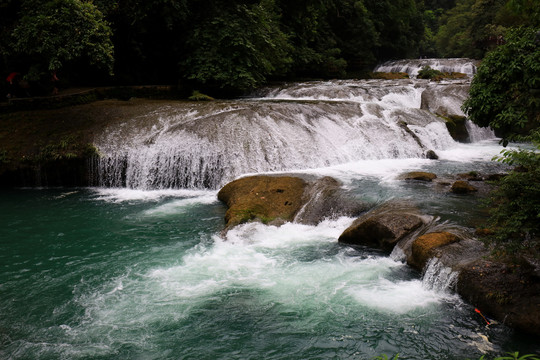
95, 273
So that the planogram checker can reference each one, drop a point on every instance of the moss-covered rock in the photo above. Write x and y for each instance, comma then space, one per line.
423, 247
508, 293
462, 187
418, 175
457, 128
266, 199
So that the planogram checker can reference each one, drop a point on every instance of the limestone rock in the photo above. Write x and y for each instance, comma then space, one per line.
325, 198
418, 175
430, 154
423, 247
265, 198
508, 293
279, 199
462, 187
382, 229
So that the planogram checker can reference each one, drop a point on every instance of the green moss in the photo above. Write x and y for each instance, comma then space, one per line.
197, 96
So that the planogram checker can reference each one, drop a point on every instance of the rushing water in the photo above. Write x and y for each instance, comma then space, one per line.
137, 268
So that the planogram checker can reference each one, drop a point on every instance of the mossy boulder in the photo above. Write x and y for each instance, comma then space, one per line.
457, 128
424, 246
418, 175
509, 293
276, 200
266, 199
382, 228
462, 187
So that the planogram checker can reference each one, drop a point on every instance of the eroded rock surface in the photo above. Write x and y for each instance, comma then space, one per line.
384, 227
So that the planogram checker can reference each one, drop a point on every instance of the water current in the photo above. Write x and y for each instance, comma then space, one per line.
136, 267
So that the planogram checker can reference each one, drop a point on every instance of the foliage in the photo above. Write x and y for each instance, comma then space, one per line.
514, 205
474, 27
237, 48
58, 31
513, 356
428, 73
385, 357
505, 93
198, 96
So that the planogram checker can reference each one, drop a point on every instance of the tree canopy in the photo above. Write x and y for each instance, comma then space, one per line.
233, 46
505, 95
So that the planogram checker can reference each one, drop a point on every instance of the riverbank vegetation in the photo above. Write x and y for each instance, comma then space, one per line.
505, 95
224, 48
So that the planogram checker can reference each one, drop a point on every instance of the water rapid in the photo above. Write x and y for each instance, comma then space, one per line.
137, 267
293, 127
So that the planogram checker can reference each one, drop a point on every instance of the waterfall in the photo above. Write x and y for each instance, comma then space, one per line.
477, 133
438, 277
292, 127
411, 67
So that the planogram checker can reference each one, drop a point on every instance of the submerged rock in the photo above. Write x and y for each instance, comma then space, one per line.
382, 228
418, 175
325, 198
462, 187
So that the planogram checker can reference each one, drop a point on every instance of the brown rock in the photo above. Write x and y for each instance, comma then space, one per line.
423, 247
462, 187
264, 198
381, 230
507, 293
470, 176
418, 175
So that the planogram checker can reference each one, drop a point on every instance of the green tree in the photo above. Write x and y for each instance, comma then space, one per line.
505, 95
53, 33
236, 47
505, 92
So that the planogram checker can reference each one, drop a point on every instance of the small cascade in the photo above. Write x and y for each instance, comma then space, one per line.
477, 133
412, 66
438, 277
293, 127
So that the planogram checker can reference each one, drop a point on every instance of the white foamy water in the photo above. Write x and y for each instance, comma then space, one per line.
296, 127
297, 266
123, 194
412, 66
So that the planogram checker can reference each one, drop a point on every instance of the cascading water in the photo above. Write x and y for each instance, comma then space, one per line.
139, 268
411, 67
300, 126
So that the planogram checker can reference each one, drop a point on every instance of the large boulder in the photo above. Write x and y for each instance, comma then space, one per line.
325, 198
462, 187
508, 293
383, 228
423, 248
279, 199
265, 198
418, 175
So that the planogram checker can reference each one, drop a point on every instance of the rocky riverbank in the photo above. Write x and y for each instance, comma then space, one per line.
509, 293
54, 147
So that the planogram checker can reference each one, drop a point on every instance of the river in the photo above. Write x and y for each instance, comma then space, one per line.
136, 267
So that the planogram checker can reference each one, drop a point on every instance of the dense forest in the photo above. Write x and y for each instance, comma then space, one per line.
227, 47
